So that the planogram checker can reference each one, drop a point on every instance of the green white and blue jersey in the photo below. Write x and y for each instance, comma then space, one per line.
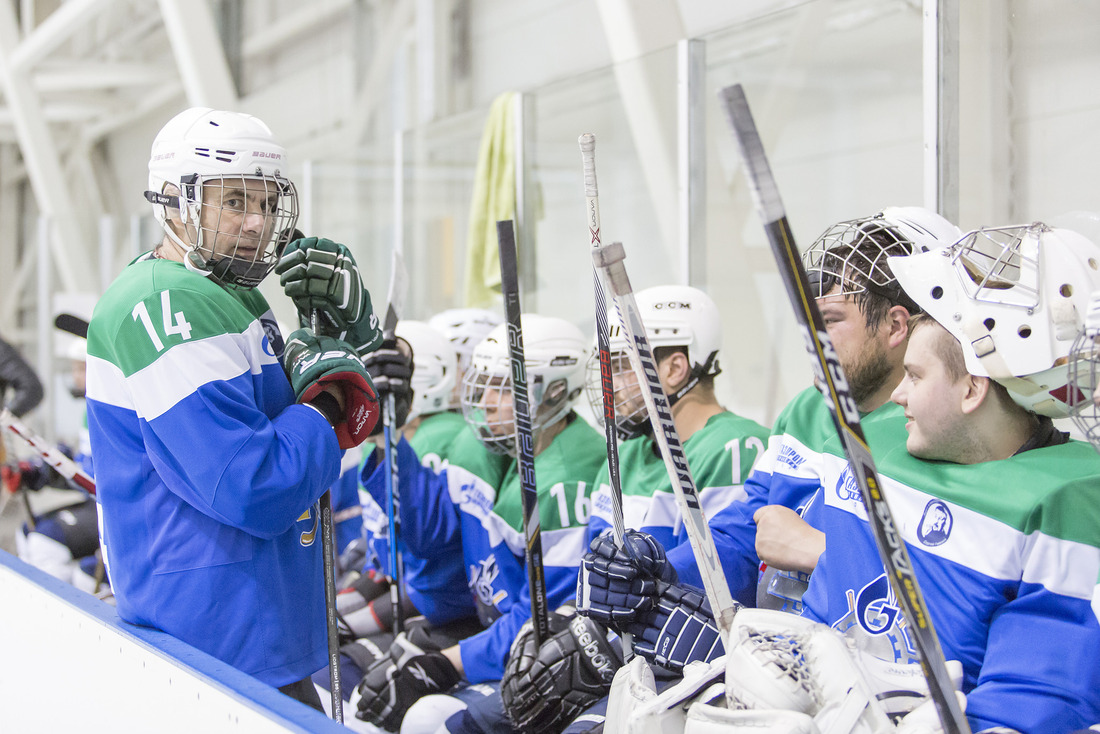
1007, 554
207, 471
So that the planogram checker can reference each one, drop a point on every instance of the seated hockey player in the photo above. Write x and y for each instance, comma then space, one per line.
997, 507
212, 439
438, 589
465, 328
684, 330
444, 514
866, 315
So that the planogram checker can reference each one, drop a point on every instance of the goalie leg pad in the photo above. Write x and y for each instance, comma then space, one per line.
703, 718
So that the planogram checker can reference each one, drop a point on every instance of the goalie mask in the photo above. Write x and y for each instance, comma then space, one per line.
853, 254
1015, 298
434, 367
217, 186
1084, 375
554, 354
674, 316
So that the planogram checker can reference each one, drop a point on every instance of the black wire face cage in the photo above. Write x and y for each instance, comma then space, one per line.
853, 255
246, 224
1084, 364
631, 417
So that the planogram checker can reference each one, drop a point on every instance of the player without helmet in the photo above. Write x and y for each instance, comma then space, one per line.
554, 353
677, 318
218, 188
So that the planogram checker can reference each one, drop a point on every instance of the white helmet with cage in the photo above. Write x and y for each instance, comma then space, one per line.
201, 149
465, 327
674, 316
854, 253
1084, 375
1015, 298
554, 353
434, 367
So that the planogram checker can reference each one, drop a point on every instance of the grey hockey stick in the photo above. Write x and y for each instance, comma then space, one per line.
609, 259
829, 373
525, 443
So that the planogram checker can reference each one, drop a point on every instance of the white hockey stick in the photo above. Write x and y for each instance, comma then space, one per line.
64, 466
845, 415
609, 259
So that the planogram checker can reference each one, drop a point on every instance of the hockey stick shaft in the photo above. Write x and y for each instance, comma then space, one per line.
328, 568
525, 444
587, 144
64, 466
390, 436
842, 405
609, 259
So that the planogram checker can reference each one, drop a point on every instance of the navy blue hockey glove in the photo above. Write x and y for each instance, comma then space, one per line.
614, 586
391, 370
679, 629
315, 362
544, 688
414, 668
319, 274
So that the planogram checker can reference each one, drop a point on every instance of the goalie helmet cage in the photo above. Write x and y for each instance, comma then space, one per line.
843, 408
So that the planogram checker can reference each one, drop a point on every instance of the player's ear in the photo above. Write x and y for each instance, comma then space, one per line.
976, 391
897, 323
676, 369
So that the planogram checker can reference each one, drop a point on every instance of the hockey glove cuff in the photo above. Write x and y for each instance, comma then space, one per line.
616, 584
414, 668
545, 688
321, 275
314, 363
679, 629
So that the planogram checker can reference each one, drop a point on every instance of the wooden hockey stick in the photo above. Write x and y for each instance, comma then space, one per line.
609, 259
525, 443
842, 405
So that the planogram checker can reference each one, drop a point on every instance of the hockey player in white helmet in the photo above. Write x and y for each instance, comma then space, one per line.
997, 507
684, 329
484, 524
213, 439
465, 327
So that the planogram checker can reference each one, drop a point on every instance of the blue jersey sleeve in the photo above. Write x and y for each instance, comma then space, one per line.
430, 523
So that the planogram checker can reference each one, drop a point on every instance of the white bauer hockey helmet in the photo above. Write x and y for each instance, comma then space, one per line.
554, 355
674, 316
434, 367
1084, 375
1015, 298
200, 148
854, 252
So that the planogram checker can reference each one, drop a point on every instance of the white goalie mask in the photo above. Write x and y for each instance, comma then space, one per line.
854, 253
674, 316
465, 327
221, 176
434, 367
554, 355
1015, 298
1084, 375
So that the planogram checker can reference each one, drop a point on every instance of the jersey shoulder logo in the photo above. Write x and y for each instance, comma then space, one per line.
935, 524
273, 338
790, 457
846, 486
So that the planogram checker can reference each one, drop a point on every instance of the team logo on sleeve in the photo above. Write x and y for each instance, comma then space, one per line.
935, 524
790, 457
273, 338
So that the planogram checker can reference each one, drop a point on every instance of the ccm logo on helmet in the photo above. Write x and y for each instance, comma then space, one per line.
673, 305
